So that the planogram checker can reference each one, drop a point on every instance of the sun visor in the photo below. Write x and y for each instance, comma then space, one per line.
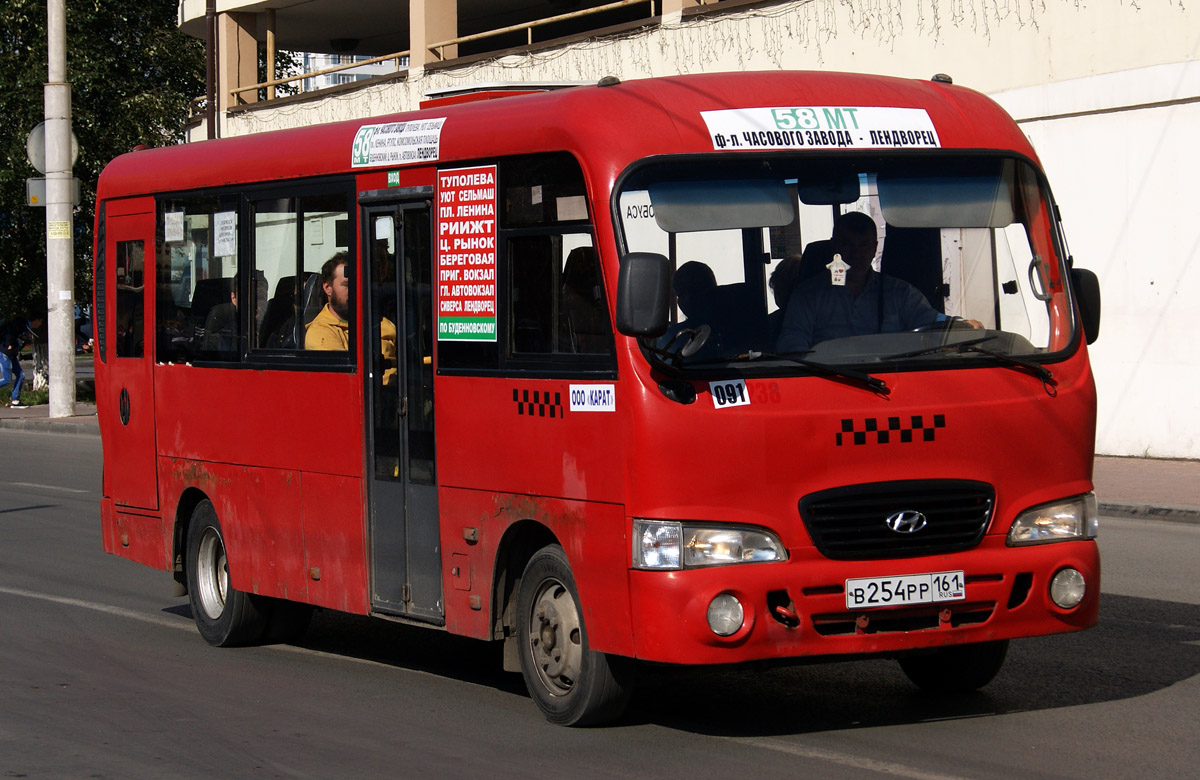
688, 206
968, 201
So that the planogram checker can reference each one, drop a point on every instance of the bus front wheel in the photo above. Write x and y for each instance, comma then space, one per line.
224, 616
571, 684
956, 669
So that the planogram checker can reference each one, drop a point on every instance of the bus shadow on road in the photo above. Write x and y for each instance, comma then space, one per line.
1139, 646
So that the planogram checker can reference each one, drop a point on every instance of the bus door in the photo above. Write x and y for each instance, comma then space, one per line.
398, 263
129, 458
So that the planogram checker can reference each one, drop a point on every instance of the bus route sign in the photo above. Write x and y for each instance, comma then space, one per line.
466, 270
821, 127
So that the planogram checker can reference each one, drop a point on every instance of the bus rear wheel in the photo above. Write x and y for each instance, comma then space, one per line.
224, 616
956, 669
571, 684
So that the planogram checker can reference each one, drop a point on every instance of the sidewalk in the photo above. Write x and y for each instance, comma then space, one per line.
1125, 487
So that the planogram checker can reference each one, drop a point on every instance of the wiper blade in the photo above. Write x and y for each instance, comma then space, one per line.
1037, 369
957, 346
871, 382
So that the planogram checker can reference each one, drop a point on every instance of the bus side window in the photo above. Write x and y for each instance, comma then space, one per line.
293, 239
197, 281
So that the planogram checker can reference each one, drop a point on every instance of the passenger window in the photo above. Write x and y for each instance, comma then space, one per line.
197, 295
557, 296
294, 239
549, 291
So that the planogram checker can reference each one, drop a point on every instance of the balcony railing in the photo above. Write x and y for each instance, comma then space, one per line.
438, 49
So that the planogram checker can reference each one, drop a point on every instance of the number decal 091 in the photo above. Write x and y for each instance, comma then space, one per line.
731, 392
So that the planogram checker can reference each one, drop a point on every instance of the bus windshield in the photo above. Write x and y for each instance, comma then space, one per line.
901, 260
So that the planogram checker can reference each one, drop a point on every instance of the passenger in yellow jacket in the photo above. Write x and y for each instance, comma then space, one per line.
330, 329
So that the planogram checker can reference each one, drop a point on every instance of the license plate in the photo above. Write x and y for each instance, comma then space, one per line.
868, 592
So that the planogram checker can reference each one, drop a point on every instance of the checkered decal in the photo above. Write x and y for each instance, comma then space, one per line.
898, 429
537, 403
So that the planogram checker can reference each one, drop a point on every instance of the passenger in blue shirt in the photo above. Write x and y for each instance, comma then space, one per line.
868, 302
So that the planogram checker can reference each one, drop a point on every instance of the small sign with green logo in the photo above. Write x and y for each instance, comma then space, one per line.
397, 143
393, 179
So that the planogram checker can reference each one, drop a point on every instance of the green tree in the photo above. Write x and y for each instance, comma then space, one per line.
132, 75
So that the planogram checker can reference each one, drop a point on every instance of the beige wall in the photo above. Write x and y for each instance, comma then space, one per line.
990, 45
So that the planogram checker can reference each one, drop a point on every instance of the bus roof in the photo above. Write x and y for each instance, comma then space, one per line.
609, 126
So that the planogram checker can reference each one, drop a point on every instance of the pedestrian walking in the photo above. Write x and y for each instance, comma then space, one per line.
14, 334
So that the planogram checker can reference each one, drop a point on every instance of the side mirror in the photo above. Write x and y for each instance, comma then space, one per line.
1086, 287
643, 294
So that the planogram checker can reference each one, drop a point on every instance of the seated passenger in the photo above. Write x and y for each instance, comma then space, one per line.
867, 302
330, 329
220, 326
693, 284
782, 283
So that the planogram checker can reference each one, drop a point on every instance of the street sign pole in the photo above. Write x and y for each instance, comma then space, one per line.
60, 241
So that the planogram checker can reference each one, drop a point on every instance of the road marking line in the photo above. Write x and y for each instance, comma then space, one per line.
47, 487
843, 759
92, 605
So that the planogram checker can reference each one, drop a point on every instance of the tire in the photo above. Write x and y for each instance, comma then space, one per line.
224, 616
571, 684
956, 669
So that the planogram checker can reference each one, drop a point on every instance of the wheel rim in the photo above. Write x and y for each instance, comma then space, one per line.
555, 637
212, 573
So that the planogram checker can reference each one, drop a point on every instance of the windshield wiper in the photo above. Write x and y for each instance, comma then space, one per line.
1037, 369
972, 345
871, 382
957, 346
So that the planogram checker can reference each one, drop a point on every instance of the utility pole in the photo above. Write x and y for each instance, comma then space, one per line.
60, 237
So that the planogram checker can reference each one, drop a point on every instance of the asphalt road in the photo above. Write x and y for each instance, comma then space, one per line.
102, 675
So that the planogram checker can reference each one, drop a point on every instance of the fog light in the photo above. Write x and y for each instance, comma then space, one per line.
725, 615
1066, 589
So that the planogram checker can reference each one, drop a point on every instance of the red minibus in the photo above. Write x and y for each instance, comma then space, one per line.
695, 370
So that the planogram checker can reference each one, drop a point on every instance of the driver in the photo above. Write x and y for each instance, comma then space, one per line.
868, 302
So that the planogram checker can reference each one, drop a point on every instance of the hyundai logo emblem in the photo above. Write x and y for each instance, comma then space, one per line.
906, 521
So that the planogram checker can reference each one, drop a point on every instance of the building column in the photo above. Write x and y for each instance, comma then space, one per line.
430, 21
672, 10
237, 59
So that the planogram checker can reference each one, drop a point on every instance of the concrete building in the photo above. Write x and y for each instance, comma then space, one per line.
1109, 93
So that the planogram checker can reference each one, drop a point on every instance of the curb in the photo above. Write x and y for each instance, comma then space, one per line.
1173, 514
88, 428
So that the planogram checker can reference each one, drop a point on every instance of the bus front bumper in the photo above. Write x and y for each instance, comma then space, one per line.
798, 608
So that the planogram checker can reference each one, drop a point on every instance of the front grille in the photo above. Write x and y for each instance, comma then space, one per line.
850, 523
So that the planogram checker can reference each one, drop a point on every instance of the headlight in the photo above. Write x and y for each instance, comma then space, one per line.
1061, 521
659, 544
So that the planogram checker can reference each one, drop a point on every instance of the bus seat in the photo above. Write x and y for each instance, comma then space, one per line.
737, 316
914, 255
208, 293
279, 309
312, 299
583, 320
815, 257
